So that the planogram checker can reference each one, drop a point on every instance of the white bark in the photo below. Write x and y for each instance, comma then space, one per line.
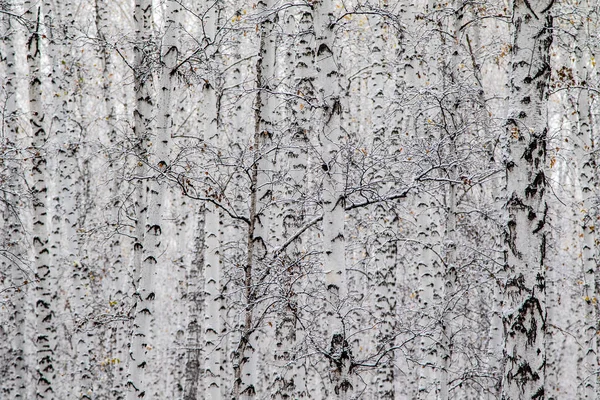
384, 277
332, 138
268, 229
495, 333
430, 269
65, 221
526, 133
212, 269
14, 259
433, 377
584, 154
145, 259
195, 284
119, 285
45, 339
407, 81
212, 368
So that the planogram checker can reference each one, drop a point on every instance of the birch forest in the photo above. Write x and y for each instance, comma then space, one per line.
307, 199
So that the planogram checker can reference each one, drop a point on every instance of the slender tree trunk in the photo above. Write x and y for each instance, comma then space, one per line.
495, 334
383, 278
45, 339
145, 259
213, 379
246, 379
212, 269
584, 154
193, 366
284, 379
244, 385
454, 123
67, 210
527, 208
430, 271
159, 164
329, 81
407, 80
13, 262
118, 287
433, 377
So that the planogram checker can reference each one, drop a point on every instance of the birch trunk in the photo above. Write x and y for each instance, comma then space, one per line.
329, 85
406, 88
495, 334
144, 258
246, 384
433, 379
155, 242
285, 380
213, 379
245, 380
584, 154
45, 340
385, 252
65, 221
212, 269
118, 288
14, 260
430, 271
193, 367
526, 134
454, 124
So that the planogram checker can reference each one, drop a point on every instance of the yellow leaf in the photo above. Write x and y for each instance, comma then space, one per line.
514, 132
552, 162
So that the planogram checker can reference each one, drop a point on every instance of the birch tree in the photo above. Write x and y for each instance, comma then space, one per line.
527, 208
192, 378
14, 253
144, 258
212, 263
67, 194
584, 144
45, 288
330, 90
115, 257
